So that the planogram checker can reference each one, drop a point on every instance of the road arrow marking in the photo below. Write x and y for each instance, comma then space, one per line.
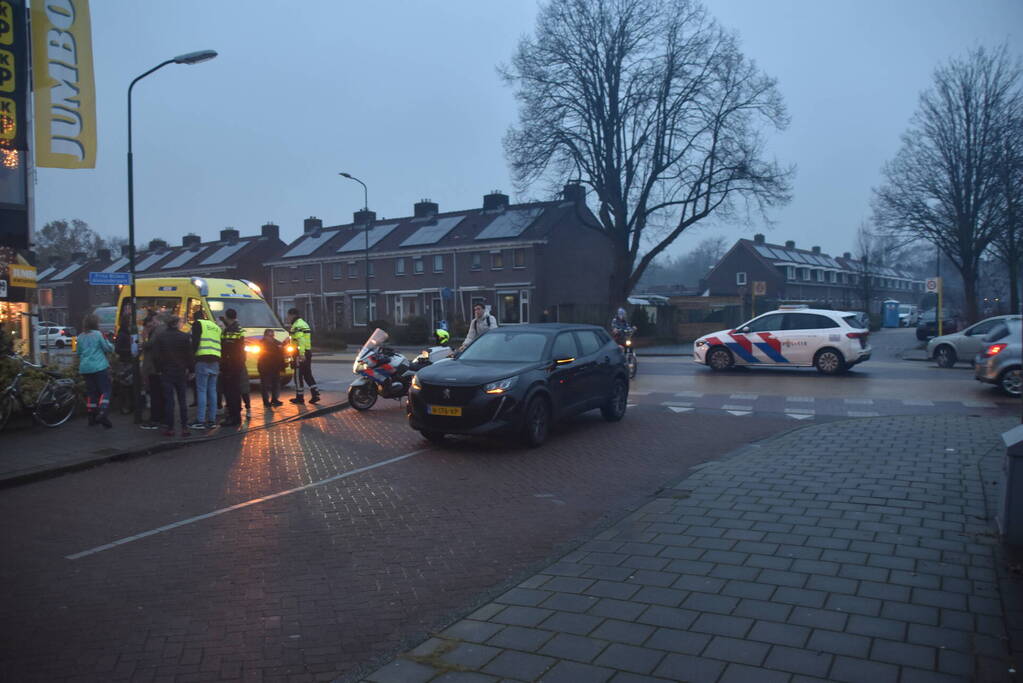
680, 410
739, 413
799, 416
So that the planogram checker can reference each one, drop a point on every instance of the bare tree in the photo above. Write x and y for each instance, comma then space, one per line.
60, 239
651, 105
1007, 244
943, 183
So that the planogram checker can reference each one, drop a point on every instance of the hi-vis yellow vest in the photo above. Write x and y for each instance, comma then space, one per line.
301, 334
209, 342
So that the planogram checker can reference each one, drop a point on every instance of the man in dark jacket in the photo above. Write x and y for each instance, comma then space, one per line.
271, 363
174, 360
232, 366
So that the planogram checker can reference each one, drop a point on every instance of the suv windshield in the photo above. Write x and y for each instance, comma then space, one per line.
507, 347
253, 314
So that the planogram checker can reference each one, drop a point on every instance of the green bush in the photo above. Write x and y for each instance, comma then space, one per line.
34, 380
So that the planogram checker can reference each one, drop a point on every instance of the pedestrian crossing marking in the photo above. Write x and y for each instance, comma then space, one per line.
740, 413
688, 394
860, 401
861, 413
731, 407
800, 416
680, 409
979, 404
744, 397
800, 411
907, 402
800, 399
685, 404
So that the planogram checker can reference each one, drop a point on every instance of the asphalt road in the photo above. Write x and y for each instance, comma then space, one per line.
310, 550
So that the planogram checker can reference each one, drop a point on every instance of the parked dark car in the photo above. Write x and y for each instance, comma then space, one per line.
927, 326
521, 380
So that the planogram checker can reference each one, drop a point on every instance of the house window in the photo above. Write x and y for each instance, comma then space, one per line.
339, 313
282, 275
399, 266
353, 269
805, 273
359, 310
310, 273
820, 276
790, 272
832, 276
496, 260
509, 311
294, 273
337, 270
477, 261
524, 305
417, 266
371, 268
740, 278
438, 263
519, 258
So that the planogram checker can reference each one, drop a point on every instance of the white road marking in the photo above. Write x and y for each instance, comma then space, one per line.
679, 409
688, 394
907, 402
979, 404
638, 393
686, 404
800, 411
799, 416
731, 407
860, 401
740, 413
800, 399
254, 501
861, 413
744, 397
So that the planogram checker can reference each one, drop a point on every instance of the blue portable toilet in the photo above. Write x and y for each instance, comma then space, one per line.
890, 313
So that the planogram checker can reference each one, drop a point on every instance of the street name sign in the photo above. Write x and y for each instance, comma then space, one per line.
109, 279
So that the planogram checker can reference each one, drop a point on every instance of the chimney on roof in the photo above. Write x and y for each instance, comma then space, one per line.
816, 250
103, 255
125, 250
758, 238
574, 192
311, 224
846, 255
191, 240
78, 256
229, 235
157, 245
270, 231
364, 216
494, 201
425, 208
790, 244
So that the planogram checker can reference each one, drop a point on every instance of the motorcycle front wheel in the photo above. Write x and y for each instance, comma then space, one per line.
633, 365
362, 397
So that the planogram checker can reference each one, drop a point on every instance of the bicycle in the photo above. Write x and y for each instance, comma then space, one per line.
53, 406
624, 339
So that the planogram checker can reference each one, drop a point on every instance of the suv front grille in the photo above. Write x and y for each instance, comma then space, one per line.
458, 396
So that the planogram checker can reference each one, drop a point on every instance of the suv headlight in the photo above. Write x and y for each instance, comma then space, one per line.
415, 383
500, 386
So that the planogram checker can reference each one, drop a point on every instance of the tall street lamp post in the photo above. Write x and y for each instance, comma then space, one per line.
365, 207
188, 58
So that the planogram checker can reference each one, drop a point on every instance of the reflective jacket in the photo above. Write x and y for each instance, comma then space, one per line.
232, 345
301, 335
206, 339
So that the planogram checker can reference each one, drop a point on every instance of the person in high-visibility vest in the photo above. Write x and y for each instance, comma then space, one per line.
303, 338
206, 345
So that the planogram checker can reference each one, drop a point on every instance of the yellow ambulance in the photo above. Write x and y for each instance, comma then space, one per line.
182, 296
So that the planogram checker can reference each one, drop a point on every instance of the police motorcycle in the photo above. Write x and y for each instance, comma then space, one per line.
384, 373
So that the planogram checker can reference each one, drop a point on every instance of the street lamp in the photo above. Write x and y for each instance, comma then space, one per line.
365, 207
187, 58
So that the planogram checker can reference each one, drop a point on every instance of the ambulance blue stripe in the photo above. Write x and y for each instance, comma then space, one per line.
742, 353
771, 353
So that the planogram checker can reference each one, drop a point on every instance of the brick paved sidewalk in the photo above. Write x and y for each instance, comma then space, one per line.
860, 550
29, 451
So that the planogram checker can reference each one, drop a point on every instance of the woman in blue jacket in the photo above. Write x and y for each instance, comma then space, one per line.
93, 365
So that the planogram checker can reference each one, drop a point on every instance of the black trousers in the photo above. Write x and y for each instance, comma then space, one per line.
270, 385
231, 378
175, 384
305, 369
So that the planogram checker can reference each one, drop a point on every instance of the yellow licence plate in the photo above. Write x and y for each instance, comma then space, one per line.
450, 411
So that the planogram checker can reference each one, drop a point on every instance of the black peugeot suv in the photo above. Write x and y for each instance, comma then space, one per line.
520, 380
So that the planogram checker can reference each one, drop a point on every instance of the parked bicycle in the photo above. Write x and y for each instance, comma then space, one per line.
53, 406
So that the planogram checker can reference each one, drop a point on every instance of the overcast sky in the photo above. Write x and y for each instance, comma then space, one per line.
405, 95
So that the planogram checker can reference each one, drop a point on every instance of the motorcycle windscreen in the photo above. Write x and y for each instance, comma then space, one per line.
374, 342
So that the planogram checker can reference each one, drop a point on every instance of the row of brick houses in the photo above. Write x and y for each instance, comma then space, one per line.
809, 276
529, 262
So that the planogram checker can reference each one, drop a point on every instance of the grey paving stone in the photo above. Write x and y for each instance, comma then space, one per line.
848, 670
725, 571
855, 571
567, 622
647, 577
623, 632
705, 602
919, 614
734, 650
521, 616
854, 604
486, 612
639, 660
568, 584
800, 552
470, 655
935, 636
524, 596
779, 634
955, 663
876, 627
798, 661
640, 562
832, 584
518, 665
675, 553
577, 648
883, 591
713, 544
669, 617
819, 567
818, 618
612, 589
703, 584
768, 562
719, 624
839, 643
782, 578
689, 668
904, 654
843, 556
749, 589
660, 596
617, 609
625, 677
570, 602
473, 631
605, 573
915, 579
800, 596
402, 671
463, 677
574, 672
939, 598
910, 675
673, 640
690, 566
892, 562
521, 638
740, 673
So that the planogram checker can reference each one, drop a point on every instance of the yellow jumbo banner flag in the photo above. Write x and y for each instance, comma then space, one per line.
65, 94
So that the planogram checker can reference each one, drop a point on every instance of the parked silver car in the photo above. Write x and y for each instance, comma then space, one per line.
947, 349
999, 362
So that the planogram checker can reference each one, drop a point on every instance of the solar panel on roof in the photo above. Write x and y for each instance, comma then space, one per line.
765, 251
67, 271
116, 265
222, 254
821, 260
149, 261
46, 272
376, 233
511, 223
183, 258
309, 244
431, 234
795, 257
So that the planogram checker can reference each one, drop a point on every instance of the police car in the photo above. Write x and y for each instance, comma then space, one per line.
831, 341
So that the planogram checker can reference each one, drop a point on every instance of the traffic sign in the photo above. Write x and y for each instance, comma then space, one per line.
759, 288
109, 278
933, 284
